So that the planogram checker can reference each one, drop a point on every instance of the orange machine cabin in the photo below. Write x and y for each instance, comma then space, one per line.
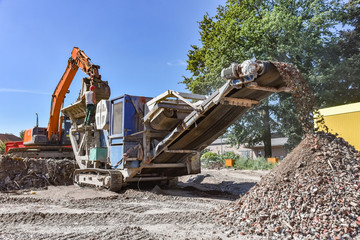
35, 136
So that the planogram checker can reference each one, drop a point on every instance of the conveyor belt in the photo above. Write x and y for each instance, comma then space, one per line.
201, 128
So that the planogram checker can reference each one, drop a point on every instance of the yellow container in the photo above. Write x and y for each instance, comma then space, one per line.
273, 160
229, 162
344, 121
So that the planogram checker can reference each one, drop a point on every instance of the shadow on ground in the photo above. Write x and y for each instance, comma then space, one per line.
226, 190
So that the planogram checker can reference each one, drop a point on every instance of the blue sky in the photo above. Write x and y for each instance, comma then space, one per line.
141, 46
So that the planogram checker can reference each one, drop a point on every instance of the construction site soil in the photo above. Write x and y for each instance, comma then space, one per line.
137, 212
312, 194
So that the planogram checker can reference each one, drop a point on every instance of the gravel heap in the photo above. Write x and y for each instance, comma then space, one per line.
312, 194
18, 173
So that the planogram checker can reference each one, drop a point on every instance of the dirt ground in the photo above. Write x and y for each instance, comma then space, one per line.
138, 212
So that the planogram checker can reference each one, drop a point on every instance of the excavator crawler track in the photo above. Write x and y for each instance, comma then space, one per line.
43, 152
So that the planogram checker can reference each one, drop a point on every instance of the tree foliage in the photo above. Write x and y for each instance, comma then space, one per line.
301, 32
337, 81
21, 134
2, 147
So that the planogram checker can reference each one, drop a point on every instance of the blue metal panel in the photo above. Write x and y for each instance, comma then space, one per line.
116, 141
103, 139
113, 115
116, 153
130, 108
129, 115
132, 164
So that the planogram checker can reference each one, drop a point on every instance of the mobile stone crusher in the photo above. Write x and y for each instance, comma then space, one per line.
158, 139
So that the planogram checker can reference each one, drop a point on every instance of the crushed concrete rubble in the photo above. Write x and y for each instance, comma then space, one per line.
302, 95
312, 194
18, 173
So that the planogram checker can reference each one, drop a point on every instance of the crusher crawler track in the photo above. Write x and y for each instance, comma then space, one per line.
101, 178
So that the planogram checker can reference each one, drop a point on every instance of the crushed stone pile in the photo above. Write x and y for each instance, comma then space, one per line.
312, 194
18, 173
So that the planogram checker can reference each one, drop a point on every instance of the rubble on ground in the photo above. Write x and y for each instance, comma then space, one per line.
18, 173
312, 194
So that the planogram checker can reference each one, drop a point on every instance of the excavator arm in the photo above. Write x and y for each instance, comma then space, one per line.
50, 141
77, 60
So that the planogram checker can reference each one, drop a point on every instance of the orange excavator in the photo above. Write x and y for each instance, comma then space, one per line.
53, 141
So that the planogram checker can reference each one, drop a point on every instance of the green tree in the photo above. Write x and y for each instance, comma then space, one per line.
2, 148
338, 79
297, 31
255, 127
21, 134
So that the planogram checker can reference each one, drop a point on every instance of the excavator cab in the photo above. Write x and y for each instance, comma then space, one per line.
35, 136
38, 136
65, 139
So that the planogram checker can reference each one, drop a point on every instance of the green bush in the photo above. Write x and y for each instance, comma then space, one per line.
210, 159
259, 163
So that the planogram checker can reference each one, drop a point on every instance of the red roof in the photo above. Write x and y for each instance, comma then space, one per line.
6, 137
